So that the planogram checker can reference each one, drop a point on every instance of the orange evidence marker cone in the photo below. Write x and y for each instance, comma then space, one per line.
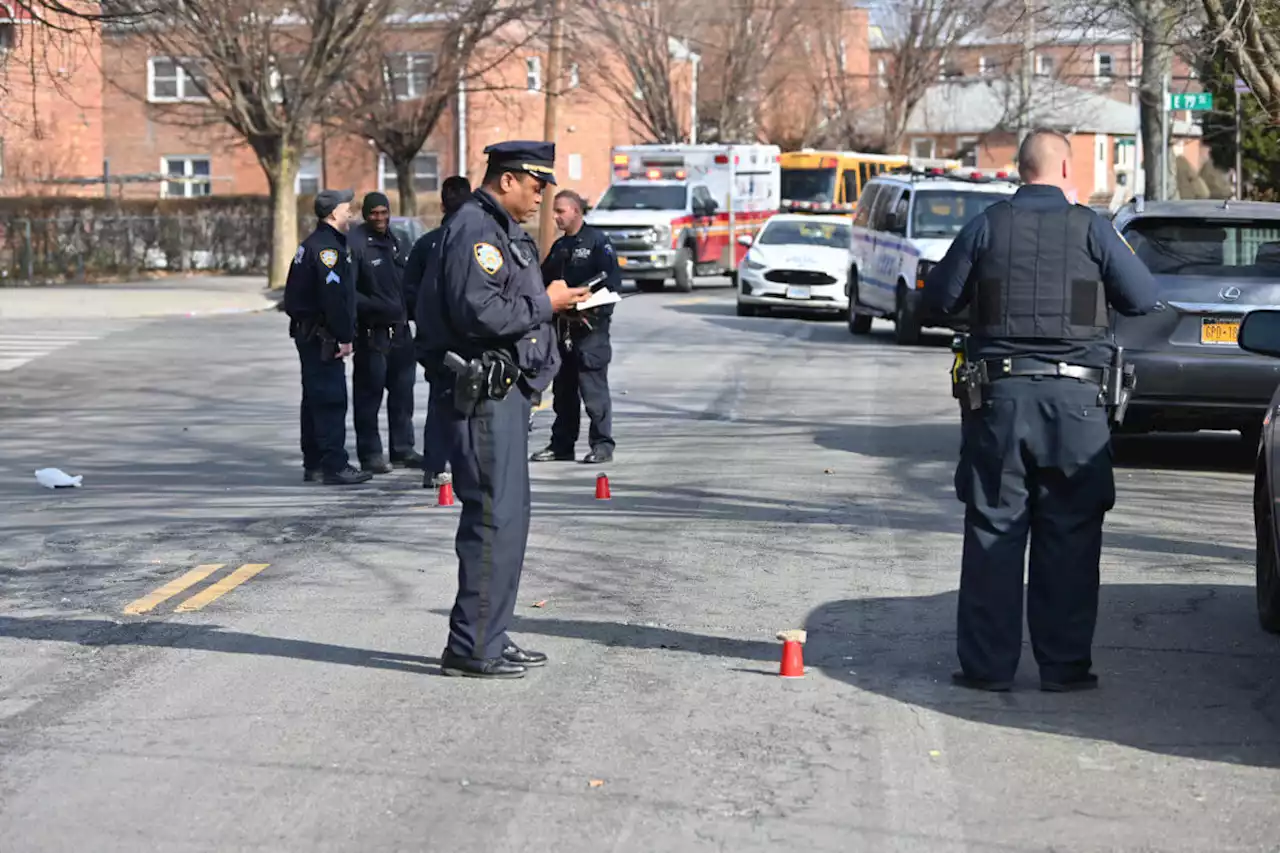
602, 487
446, 495
792, 653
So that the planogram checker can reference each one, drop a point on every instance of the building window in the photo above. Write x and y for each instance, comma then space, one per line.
967, 151
426, 173
171, 80
1044, 66
922, 148
533, 73
310, 174
575, 167
409, 74
6, 31
882, 72
1104, 65
574, 79
189, 177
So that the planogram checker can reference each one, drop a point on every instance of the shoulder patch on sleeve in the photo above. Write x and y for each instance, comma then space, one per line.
300, 254
488, 257
329, 257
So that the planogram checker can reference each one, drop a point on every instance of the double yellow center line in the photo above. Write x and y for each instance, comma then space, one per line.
201, 599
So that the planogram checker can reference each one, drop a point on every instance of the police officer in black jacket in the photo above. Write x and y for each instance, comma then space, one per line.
424, 261
495, 316
384, 357
1038, 274
319, 297
585, 348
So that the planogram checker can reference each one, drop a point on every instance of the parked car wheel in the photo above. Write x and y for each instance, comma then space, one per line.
859, 324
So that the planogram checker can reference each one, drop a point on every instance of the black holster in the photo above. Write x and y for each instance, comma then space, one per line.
491, 376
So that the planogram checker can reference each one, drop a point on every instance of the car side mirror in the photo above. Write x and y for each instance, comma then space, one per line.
745, 240
1260, 332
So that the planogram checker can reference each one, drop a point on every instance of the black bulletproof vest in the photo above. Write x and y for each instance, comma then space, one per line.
1036, 278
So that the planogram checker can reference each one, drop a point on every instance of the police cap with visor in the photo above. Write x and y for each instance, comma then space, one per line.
533, 158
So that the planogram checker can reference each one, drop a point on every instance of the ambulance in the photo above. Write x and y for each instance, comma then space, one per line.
676, 211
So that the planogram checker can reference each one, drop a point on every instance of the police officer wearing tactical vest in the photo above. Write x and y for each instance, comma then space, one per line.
384, 356
320, 297
424, 260
492, 338
585, 349
1038, 274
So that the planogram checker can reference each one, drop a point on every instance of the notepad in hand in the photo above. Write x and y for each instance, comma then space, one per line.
603, 296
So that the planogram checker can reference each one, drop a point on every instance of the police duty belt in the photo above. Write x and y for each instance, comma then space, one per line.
988, 370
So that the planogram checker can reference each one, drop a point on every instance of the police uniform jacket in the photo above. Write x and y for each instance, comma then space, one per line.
1038, 274
424, 260
576, 258
379, 262
490, 292
321, 284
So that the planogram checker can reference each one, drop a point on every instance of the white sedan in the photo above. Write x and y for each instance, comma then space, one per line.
796, 261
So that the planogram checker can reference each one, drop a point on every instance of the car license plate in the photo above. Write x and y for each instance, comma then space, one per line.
1216, 331
797, 292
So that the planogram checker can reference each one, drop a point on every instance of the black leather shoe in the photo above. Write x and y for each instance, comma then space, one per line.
310, 475
347, 477
453, 664
515, 654
376, 465
598, 456
550, 454
435, 481
962, 680
412, 459
1088, 681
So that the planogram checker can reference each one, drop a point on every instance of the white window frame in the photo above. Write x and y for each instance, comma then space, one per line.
313, 161
188, 170
963, 141
1044, 65
575, 167
882, 72
933, 147
1097, 66
181, 77
411, 59
533, 73
1101, 179
388, 180
575, 77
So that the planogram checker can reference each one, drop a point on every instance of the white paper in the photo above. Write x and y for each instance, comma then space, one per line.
603, 296
53, 478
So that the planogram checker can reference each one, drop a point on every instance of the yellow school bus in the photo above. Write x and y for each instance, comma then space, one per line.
832, 181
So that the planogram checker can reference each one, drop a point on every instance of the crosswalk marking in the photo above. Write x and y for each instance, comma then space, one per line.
23, 343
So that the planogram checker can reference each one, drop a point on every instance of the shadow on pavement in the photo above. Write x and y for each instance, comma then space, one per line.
1184, 669
206, 638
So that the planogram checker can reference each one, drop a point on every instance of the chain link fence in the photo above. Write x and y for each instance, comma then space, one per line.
87, 247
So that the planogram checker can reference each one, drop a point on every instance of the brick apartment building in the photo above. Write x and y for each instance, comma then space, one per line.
124, 110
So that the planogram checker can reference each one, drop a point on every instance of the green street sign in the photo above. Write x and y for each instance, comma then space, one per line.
1191, 101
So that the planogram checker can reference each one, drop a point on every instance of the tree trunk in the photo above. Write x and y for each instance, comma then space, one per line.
408, 192
1157, 60
282, 175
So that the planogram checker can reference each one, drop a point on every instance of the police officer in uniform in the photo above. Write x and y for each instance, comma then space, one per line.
1038, 274
384, 356
495, 318
424, 260
320, 297
585, 349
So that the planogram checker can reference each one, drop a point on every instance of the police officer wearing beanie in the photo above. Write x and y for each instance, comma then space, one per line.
585, 348
384, 357
1038, 274
320, 297
424, 261
495, 316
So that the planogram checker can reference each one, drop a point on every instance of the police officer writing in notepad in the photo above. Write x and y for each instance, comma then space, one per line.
493, 337
384, 357
585, 349
1038, 274
320, 299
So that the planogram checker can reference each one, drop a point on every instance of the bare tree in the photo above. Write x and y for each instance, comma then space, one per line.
920, 36
636, 55
397, 95
1248, 29
266, 70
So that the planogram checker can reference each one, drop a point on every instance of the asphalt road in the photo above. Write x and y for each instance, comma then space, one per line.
771, 473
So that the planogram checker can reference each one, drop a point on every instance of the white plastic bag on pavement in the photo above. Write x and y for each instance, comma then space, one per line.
54, 478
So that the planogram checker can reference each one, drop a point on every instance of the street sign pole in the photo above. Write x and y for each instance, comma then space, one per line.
1241, 89
1164, 139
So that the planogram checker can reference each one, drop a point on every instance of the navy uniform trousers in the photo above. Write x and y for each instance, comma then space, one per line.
324, 408
583, 381
489, 452
437, 432
383, 362
1035, 460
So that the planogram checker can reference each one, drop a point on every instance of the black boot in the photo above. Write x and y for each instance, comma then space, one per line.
376, 465
347, 477
409, 459
550, 454
454, 664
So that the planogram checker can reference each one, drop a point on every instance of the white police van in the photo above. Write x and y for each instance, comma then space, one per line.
904, 224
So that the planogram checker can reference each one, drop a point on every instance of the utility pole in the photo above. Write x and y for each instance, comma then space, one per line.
550, 123
1028, 70
1165, 118
1239, 144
